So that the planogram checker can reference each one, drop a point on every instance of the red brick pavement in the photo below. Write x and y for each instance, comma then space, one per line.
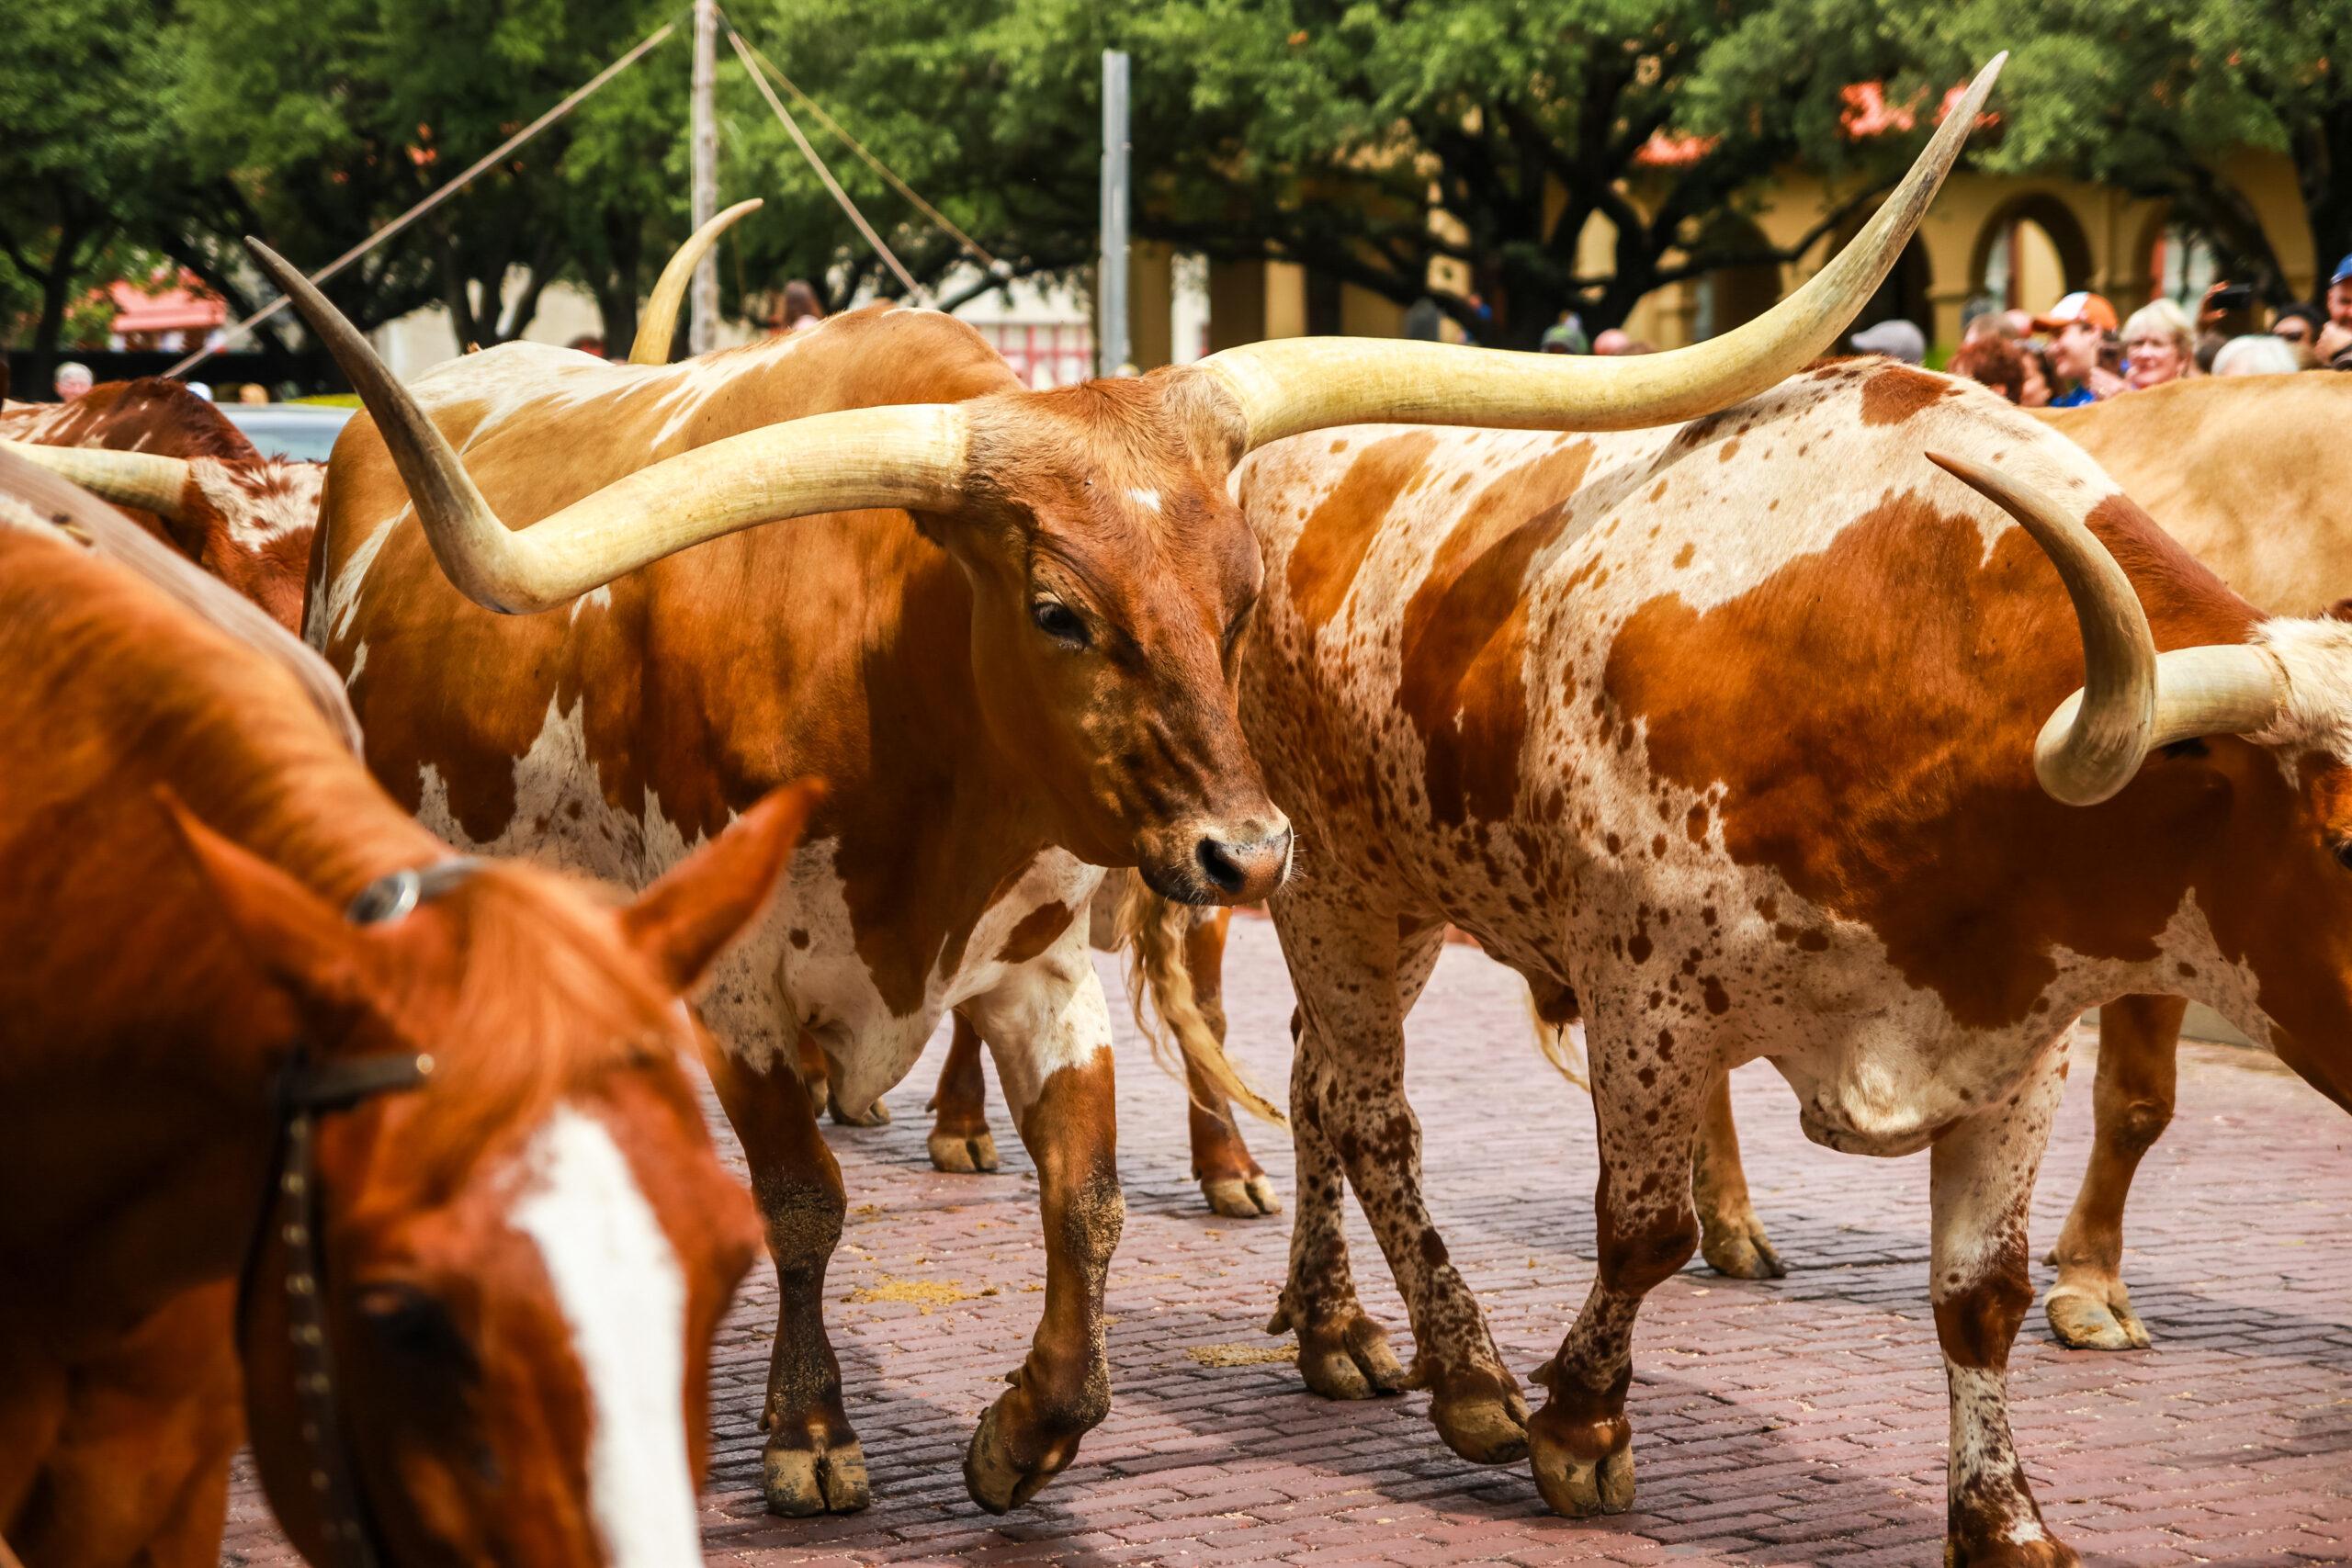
1792, 1421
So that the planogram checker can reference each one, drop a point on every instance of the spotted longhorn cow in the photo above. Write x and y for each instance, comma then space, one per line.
2245, 473
1728, 734
1005, 627
2215, 460
173, 460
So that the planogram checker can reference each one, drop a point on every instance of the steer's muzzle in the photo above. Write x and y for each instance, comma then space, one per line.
1235, 863
1244, 872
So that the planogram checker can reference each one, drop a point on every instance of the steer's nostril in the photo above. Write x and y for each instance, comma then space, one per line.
1243, 872
1221, 863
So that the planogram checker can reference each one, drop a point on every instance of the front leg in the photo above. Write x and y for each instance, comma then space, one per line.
1982, 1174
1648, 1090
2139, 1043
1231, 1178
1050, 1032
812, 1462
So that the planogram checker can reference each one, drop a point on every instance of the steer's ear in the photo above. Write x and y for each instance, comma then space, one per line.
685, 921
292, 935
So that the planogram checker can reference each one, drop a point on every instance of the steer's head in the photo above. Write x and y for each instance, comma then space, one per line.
2277, 887
511, 1266
1113, 576
1113, 580
2245, 814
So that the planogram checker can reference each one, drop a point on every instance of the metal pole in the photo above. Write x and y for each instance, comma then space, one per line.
1111, 275
702, 299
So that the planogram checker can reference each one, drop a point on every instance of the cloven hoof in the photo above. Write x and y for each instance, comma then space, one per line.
1741, 1252
964, 1153
1240, 1197
1346, 1357
1578, 1488
995, 1479
1486, 1427
801, 1482
2085, 1318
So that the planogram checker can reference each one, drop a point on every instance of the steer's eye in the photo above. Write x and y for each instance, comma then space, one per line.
2342, 849
1059, 621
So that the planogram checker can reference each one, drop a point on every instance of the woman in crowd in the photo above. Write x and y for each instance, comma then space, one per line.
2159, 345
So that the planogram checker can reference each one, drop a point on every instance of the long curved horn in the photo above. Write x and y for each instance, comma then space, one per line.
2133, 699
659, 317
139, 480
911, 455
1299, 384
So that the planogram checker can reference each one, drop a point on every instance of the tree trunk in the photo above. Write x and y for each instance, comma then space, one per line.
56, 290
2326, 148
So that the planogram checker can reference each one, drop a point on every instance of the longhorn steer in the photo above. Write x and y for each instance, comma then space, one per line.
2243, 473
174, 461
2247, 473
1027, 670
1729, 731
516, 1259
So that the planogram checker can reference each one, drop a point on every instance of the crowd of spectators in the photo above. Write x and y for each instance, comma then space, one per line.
2077, 353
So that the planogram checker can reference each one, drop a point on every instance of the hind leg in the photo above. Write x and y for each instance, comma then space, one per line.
2139, 1041
1343, 1353
1731, 1237
812, 1462
1356, 978
960, 1139
1231, 1179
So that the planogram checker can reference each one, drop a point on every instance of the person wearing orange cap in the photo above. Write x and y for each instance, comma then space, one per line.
2079, 325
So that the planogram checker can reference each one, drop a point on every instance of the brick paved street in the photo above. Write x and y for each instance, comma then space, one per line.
1797, 1421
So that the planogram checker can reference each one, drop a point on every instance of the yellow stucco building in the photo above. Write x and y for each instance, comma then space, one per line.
2021, 240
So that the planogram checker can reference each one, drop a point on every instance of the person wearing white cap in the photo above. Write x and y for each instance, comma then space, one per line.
1895, 339
74, 379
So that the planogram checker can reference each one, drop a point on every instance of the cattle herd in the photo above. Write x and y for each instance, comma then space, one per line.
1747, 703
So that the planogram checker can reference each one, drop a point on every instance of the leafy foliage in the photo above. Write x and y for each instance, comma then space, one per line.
1368, 140
2151, 95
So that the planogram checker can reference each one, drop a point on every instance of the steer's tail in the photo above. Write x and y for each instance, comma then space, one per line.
1557, 1039
1155, 928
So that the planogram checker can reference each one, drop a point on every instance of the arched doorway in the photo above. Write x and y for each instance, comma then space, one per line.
1734, 296
2029, 253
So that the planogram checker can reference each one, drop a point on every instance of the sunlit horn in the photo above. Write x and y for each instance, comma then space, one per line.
139, 480
2133, 699
1298, 384
660, 316
911, 455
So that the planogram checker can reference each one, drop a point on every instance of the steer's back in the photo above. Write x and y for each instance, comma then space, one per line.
1546, 686
2251, 473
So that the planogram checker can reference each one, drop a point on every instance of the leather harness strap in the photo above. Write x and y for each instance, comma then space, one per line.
308, 1089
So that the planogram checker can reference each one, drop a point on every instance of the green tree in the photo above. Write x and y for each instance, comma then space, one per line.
1366, 139
88, 155
320, 120
2150, 94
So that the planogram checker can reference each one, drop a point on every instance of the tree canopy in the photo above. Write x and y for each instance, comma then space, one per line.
1379, 142
2151, 96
